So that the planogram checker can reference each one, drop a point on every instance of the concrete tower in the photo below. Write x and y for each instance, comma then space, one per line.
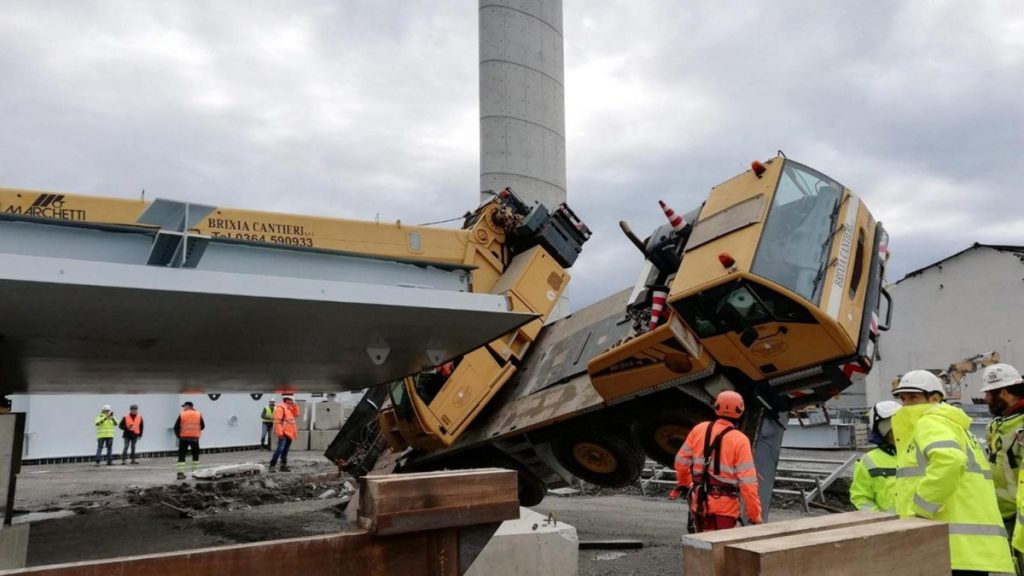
522, 99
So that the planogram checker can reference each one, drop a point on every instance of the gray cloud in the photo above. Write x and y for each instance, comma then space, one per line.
364, 107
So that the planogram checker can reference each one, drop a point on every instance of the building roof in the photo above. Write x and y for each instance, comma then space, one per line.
1016, 250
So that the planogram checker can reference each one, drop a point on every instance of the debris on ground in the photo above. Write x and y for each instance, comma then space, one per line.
229, 471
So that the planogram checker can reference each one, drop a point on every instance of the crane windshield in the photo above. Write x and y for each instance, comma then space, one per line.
797, 237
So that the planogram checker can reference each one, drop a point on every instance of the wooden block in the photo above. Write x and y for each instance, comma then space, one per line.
401, 503
704, 554
911, 547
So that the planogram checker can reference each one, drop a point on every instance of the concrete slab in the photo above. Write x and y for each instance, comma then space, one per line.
531, 545
229, 470
319, 440
13, 546
328, 416
301, 443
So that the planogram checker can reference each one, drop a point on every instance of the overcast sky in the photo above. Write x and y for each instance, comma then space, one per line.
359, 108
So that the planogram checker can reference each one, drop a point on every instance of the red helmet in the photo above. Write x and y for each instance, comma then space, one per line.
729, 404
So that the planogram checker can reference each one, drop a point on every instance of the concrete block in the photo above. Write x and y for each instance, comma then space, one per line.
516, 549
13, 546
328, 416
301, 443
319, 440
304, 419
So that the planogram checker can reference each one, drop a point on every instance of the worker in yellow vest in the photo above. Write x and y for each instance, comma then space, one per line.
132, 425
942, 474
188, 428
874, 475
105, 425
267, 419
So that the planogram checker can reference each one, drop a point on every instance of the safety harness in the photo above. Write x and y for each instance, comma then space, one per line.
705, 485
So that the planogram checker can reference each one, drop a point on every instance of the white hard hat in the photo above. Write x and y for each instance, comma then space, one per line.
272, 399
883, 410
999, 376
106, 408
919, 381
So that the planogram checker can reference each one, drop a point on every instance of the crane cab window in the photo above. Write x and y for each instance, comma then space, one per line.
797, 237
735, 306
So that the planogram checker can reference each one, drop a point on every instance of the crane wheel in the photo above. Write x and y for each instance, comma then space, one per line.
661, 434
601, 457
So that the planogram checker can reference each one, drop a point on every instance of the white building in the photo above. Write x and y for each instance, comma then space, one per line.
969, 303
62, 426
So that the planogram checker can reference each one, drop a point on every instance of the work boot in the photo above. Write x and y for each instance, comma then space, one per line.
97, 462
123, 461
135, 461
110, 462
285, 468
273, 468
181, 475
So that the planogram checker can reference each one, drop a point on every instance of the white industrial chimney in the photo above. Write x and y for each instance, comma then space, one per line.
522, 99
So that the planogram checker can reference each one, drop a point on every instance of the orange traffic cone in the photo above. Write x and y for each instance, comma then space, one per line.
657, 306
674, 219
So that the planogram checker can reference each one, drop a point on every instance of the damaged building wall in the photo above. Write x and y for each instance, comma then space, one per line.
967, 304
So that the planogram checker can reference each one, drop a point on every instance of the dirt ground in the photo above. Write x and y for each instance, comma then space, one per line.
127, 510
120, 511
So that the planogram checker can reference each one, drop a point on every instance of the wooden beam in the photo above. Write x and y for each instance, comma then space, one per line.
401, 503
917, 546
704, 553
353, 553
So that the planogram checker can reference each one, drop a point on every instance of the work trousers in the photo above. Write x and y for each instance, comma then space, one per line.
100, 443
283, 444
267, 437
129, 443
186, 445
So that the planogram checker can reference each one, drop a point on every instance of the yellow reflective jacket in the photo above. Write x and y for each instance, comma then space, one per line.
942, 474
105, 425
874, 482
1004, 448
1018, 531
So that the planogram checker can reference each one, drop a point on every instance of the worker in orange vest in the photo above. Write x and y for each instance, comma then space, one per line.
285, 430
131, 423
188, 428
715, 466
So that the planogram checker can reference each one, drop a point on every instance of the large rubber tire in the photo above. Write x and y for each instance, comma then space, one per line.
600, 457
531, 489
661, 434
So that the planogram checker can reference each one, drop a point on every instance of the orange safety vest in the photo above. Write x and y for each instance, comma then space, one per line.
133, 424
284, 420
190, 424
734, 478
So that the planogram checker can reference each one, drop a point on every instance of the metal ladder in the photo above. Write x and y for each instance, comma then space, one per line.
825, 472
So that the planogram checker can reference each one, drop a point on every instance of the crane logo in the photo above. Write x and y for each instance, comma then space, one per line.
56, 201
47, 206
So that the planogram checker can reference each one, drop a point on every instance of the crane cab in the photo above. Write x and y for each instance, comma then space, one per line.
781, 272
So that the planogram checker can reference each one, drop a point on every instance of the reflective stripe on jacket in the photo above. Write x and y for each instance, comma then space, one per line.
284, 420
942, 474
191, 424
1004, 452
874, 482
105, 426
737, 469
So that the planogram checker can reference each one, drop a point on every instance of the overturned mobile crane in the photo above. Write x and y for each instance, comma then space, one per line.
773, 287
